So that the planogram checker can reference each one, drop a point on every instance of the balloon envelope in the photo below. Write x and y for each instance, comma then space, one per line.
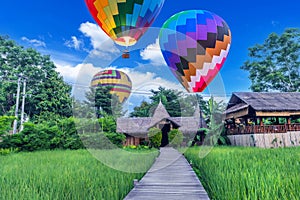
125, 21
118, 80
195, 45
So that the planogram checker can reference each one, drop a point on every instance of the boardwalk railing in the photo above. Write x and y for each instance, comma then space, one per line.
258, 129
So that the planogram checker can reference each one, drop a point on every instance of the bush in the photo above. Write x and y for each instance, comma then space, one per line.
62, 134
155, 136
44, 136
103, 140
5, 124
175, 137
116, 138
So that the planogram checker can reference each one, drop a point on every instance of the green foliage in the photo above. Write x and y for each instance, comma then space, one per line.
275, 64
248, 173
105, 103
46, 135
142, 110
4, 152
175, 137
66, 133
108, 124
176, 103
215, 134
155, 136
63, 175
5, 124
46, 91
116, 138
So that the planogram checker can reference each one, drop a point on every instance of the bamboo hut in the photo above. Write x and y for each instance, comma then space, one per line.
263, 119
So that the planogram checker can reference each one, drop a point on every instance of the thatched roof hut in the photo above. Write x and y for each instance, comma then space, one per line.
263, 119
139, 127
263, 104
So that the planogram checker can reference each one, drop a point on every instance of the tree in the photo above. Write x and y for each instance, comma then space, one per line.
169, 98
142, 110
275, 65
176, 103
103, 102
46, 91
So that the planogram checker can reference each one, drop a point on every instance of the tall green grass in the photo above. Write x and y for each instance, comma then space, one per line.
64, 175
237, 173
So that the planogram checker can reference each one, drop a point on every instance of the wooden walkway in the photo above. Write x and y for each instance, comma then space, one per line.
170, 177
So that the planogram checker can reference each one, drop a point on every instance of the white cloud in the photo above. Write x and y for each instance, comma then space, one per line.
275, 23
34, 42
103, 46
153, 53
74, 43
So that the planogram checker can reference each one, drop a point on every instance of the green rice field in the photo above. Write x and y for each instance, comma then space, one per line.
240, 173
66, 175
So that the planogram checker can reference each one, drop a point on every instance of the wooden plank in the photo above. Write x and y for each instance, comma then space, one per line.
170, 177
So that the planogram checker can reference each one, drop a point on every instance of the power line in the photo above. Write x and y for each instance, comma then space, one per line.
147, 92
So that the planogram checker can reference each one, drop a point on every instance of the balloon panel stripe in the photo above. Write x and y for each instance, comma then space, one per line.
118, 17
198, 49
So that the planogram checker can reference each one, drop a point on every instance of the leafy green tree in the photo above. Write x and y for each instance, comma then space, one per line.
103, 102
142, 110
176, 103
46, 91
169, 98
275, 65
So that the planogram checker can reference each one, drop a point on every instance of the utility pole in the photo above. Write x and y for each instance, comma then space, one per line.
23, 103
17, 104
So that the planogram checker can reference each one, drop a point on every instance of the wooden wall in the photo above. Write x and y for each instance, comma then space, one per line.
267, 140
132, 141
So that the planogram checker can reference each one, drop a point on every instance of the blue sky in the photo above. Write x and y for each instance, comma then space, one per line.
66, 31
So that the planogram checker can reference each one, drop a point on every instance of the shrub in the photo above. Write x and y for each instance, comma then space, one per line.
175, 137
5, 124
45, 135
155, 136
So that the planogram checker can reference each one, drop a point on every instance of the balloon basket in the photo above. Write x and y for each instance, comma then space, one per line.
125, 54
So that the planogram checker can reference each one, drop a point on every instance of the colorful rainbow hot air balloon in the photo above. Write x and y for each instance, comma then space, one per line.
124, 21
118, 80
195, 45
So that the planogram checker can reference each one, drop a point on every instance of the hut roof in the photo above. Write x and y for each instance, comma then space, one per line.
264, 102
159, 114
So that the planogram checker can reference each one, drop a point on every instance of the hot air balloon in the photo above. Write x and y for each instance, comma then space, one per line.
118, 80
195, 45
124, 21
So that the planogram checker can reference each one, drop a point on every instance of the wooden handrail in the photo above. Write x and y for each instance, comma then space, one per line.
256, 129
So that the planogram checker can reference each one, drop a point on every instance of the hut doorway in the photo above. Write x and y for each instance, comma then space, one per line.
165, 129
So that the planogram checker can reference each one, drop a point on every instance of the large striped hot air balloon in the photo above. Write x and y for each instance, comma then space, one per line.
118, 80
195, 45
124, 21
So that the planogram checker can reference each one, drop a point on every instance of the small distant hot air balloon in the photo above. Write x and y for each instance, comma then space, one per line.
195, 45
124, 21
118, 80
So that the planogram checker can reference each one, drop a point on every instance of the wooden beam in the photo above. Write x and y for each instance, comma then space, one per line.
276, 113
238, 114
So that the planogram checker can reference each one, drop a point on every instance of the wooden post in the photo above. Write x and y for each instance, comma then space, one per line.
277, 120
261, 122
